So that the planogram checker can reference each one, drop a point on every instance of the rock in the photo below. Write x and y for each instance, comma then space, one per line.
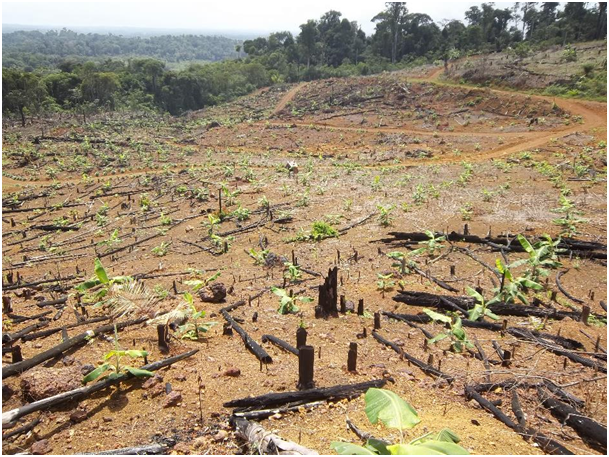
232, 372
215, 293
180, 377
7, 392
86, 369
107, 419
200, 442
78, 415
68, 360
42, 382
182, 449
151, 382
41, 447
221, 435
172, 399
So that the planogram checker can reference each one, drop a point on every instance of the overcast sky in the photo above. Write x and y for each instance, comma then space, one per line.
220, 15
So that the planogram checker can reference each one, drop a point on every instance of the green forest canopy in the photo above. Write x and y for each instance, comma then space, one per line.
53, 71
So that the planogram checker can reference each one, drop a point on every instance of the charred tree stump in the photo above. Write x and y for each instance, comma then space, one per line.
343, 304
7, 306
377, 321
352, 357
360, 307
163, 337
328, 296
306, 358
301, 337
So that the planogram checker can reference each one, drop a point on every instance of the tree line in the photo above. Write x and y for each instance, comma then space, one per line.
34, 49
329, 46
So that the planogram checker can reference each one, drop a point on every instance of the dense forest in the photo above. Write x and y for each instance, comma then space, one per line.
34, 49
49, 74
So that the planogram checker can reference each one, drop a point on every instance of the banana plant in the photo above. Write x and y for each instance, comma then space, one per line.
432, 245
287, 302
387, 407
456, 333
194, 327
542, 256
101, 283
115, 367
512, 288
480, 308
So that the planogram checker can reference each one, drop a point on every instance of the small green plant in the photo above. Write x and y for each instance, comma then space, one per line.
542, 256
457, 335
511, 287
480, 309
319, 231
292, 272
115, 367
165, 220
100, 283
433, 244
212, 222
384, 283
287, 302
258, 256
570, 220
162, 249
223, 243
385, 216
194, 327
114, 239
197, 284
466, 212
387, 407
401, 263
242, 214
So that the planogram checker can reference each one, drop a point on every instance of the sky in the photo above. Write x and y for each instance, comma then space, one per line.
248, 17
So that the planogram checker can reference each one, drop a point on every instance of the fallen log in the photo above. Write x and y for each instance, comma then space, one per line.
588, 429
278, 342
428, 369
58, 301
148, 449
36, 283
254, 347
9, 338
306, 396
21, 430
51, 331
264, 413
548, 445
9, 417
20, 367
15, 319
265, 442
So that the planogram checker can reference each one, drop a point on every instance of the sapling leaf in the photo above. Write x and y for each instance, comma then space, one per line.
138, 372
377, 446
100, 272
437, 338
447, 435
437, 316
88, 285
390, 409
350, 449
525, 244
93, 375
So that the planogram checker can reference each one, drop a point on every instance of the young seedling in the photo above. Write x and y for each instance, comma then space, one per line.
512, 288
387, 407
115, 367
385, 216
542, 257
479, 309
402, 264
197, 284
162, 249
431, 246
222, 243
287, 302
292, 272
258, 256
194, 327
456, 333
384, 283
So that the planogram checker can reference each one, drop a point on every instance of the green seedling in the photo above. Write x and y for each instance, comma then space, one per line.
457, 335
480, 309
385, 283
194, 327
115, 367
197, 284
292, 272
287, 302
393, 412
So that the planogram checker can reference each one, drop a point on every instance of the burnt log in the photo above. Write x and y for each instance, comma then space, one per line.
327, 305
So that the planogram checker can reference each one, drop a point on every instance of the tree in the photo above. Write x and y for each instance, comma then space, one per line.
392, 18
307, 39
22, 91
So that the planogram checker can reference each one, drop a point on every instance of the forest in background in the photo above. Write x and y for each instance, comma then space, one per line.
67, 71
